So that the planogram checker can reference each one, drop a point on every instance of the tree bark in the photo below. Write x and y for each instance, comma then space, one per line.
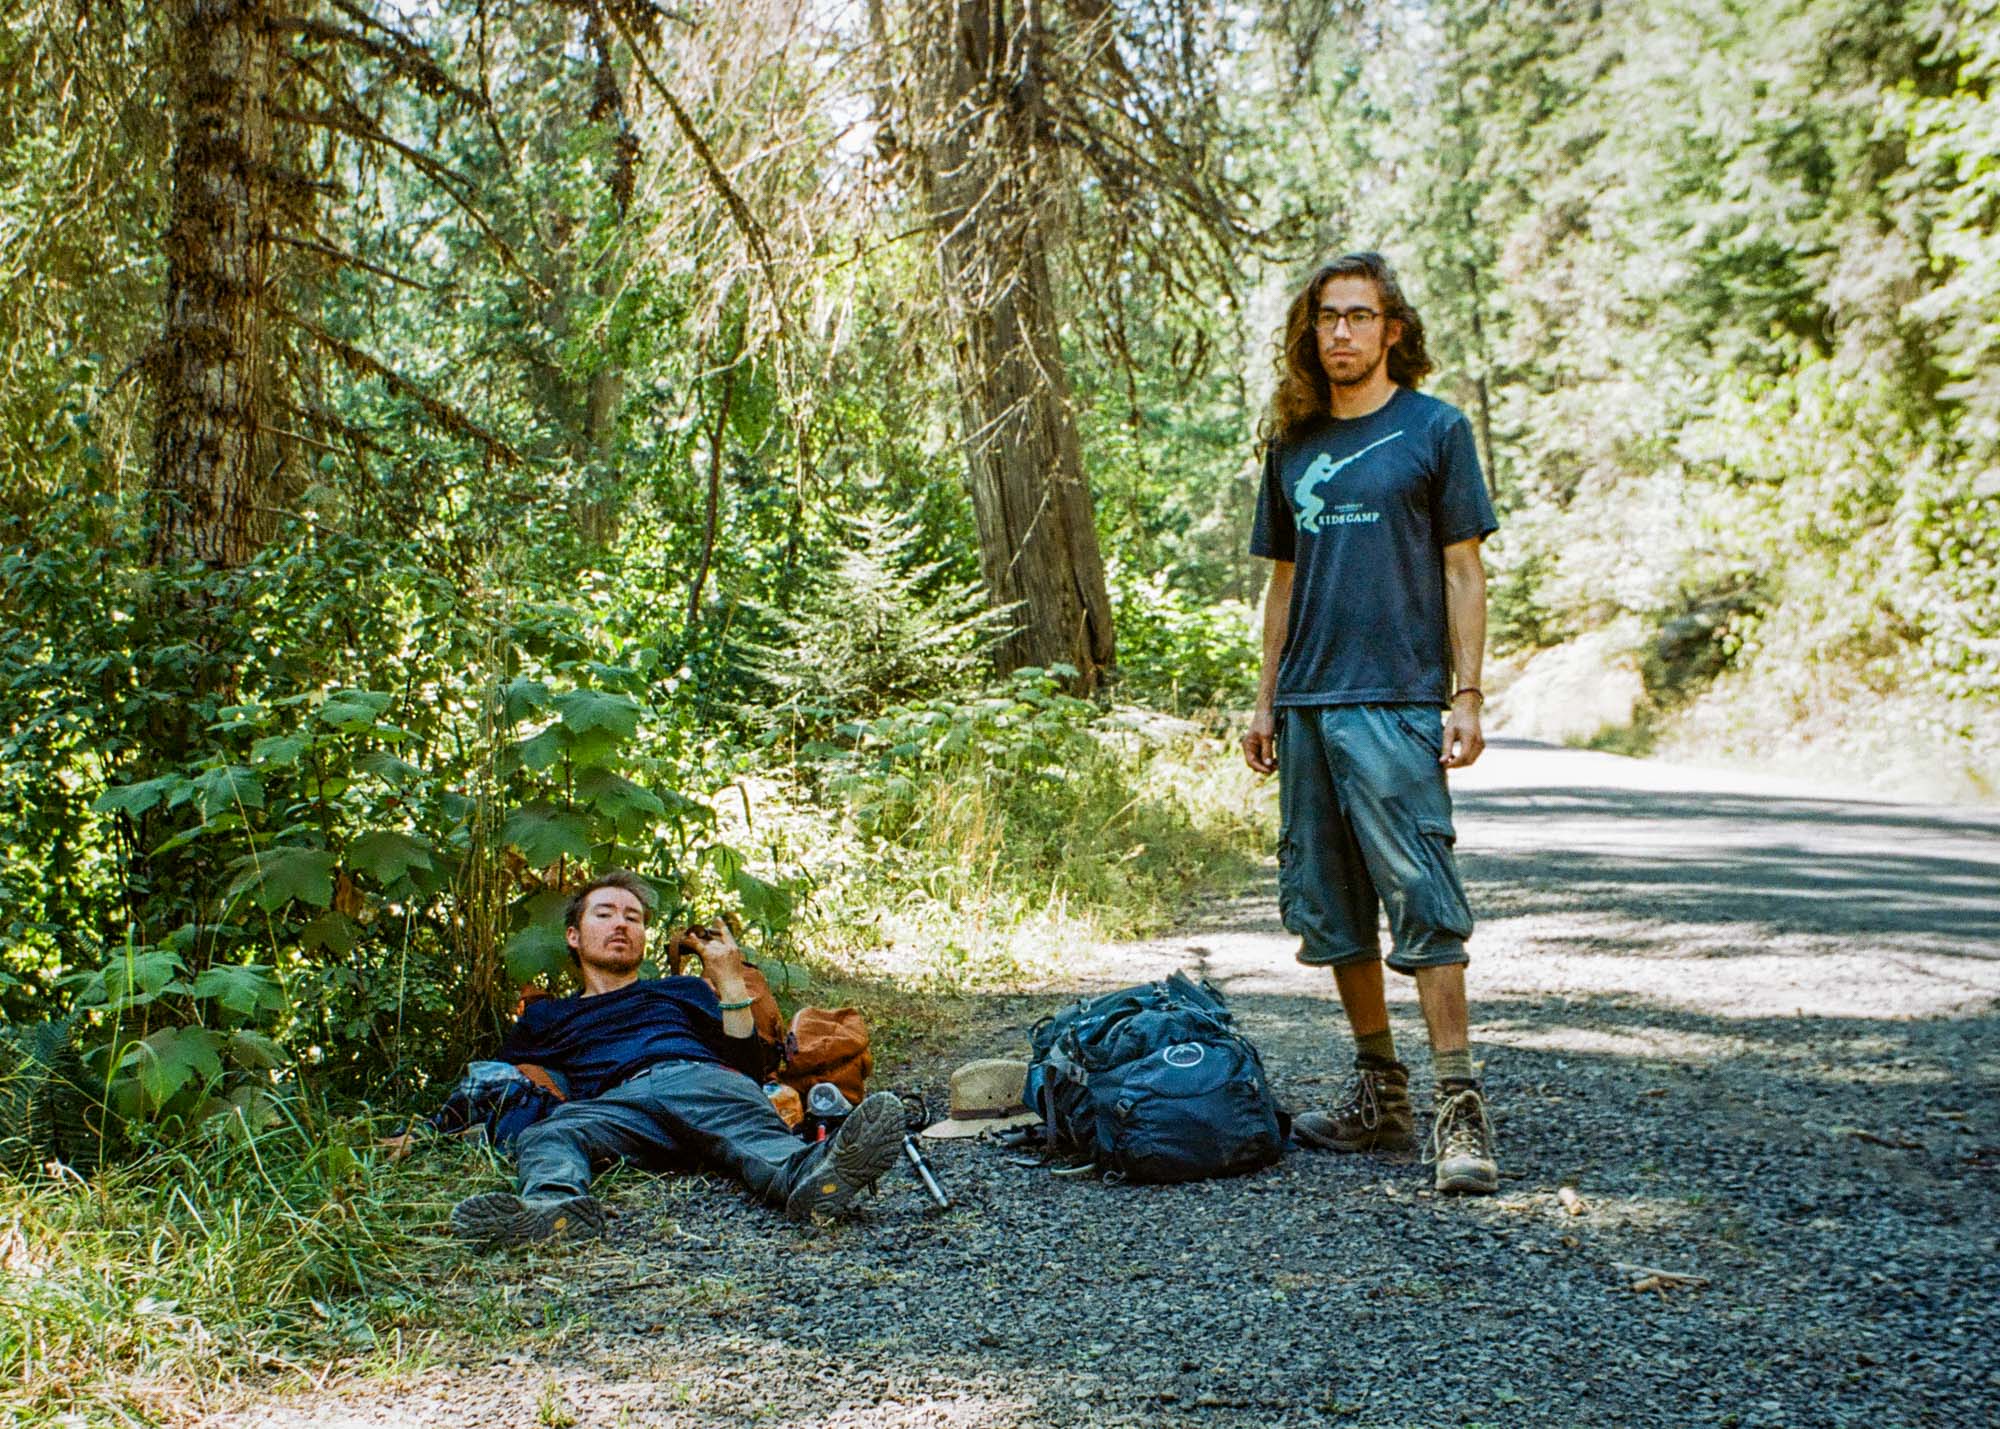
212, 455
985, 184
1480, 386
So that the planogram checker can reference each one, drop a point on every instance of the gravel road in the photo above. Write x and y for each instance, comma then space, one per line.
1750, 1022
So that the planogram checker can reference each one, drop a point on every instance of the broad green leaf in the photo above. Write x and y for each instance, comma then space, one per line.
130, 974
252, 1049
544, 905
544, 834
334, 932
594, 748
726, 861
242, 988
542, 750
167, 1060
682, 809
586, 710
617, 797
220, 824
388, 854
136, 799
538, 951
522, 697
229, 787
386, 766
764, 903
354, 710
241, 717
255, 1108
276, 876
281, 749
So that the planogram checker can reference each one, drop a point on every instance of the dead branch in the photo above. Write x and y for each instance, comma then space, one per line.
1646, 1277
355, 124
408, 59
739, 211
349, 260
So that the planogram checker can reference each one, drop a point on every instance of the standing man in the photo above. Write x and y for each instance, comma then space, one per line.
1372, 511
657, 1066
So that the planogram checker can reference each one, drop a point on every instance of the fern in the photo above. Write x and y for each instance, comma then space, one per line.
50, 1108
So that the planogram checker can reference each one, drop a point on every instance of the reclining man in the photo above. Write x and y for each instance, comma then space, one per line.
655, 1067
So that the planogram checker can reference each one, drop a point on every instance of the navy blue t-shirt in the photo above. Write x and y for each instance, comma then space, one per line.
597, 1042
1364, 506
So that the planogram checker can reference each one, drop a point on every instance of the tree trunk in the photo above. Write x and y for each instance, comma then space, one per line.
986, 193
212, 457
1480, 384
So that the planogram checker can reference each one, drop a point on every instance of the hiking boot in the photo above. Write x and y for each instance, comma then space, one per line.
1375, 1116
1462, 1143
869, 1142
500, 1218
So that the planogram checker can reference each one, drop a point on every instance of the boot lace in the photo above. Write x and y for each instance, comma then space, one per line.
1461, 1128
1363, 1099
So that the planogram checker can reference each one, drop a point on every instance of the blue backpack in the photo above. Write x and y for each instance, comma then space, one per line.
1152, 1083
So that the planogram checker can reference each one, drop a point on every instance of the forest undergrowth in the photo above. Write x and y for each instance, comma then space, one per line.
292, 1250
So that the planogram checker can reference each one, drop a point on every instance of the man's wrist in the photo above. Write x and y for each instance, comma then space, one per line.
1469, 694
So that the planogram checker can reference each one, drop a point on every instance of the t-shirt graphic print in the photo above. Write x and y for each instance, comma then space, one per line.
1364, 507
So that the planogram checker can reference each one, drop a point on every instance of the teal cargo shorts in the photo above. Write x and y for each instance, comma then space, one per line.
1365, 826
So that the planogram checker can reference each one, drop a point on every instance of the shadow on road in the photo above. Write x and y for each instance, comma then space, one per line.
1765, 865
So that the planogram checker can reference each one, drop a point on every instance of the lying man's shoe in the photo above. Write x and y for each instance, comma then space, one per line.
499, 1218
867, 1144
1374, 1116
1462, 1143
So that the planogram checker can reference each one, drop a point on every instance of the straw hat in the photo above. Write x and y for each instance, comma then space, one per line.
985, 1096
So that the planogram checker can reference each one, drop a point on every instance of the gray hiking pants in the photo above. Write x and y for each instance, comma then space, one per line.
674, 1107
1365, 826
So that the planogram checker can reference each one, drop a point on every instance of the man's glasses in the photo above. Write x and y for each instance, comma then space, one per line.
1358, 320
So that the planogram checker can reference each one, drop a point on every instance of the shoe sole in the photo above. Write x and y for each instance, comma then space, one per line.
502, 1219
1468, 1178
868, 1143
1391, 1141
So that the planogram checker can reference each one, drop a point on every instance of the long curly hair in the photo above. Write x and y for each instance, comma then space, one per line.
1304, 395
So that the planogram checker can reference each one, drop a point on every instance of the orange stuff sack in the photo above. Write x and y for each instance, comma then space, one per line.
828, 1044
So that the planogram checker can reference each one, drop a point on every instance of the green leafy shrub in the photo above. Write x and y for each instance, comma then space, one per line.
1182, 652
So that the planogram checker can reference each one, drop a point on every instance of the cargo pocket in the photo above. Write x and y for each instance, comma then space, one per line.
1288, 876
1444, 906
1423, 724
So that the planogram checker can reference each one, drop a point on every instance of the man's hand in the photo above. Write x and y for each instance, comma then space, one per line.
1463, 743
1260, 745
720, 957
722, 965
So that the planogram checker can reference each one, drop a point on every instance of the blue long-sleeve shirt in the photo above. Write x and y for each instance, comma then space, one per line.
599, 1041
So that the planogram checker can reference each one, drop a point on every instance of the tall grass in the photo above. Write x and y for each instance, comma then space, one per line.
147, 1293
968, 872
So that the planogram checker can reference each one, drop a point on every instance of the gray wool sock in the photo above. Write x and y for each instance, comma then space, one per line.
1453, 1066
1380, 1046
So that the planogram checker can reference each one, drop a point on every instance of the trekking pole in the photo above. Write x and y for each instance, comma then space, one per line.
915, 1116
924, 1173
